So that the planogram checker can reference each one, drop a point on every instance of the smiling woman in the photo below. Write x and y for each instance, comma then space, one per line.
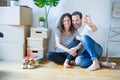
45, 3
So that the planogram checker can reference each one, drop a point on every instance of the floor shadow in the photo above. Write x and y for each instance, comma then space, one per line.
3, 74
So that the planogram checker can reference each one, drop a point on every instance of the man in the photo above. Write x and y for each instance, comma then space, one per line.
90, 50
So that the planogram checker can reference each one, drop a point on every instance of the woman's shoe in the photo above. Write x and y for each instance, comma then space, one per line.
25, 64
31, 64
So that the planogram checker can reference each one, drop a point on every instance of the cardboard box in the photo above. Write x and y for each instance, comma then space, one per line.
38, 52
37, 42
16, 15
14, 34
13, 41
12, 51
40, 32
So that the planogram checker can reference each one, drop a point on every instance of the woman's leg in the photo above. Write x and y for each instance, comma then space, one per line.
56, 57
75, 43
60, 58
70, 59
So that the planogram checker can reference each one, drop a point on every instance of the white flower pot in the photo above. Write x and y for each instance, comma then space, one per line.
42, 24
14, 3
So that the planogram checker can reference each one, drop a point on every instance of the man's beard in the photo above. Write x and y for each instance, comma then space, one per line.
77, 26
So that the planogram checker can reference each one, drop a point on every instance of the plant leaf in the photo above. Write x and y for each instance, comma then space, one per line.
55, 2
39, 3
42, 3
48, 2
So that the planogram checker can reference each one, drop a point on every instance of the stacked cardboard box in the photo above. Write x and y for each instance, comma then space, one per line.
37, 43
14, 25
16, 15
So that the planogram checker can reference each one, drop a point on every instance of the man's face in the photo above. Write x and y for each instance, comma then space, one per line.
76, 21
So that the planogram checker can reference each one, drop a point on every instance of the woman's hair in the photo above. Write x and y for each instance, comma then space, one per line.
77, 13
61, 26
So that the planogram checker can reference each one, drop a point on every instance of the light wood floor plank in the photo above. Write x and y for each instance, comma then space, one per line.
51, 71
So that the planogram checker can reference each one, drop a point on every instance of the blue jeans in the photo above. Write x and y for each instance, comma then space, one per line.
92, 51
59, 57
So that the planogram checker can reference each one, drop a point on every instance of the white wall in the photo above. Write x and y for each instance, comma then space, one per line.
98, 9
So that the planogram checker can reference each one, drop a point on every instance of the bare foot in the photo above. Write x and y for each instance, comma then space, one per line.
66, 65
94, 66
109, 64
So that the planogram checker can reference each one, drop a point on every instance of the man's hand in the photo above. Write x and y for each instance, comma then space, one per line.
87, 19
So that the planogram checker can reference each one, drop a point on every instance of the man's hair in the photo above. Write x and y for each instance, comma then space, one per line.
77, 13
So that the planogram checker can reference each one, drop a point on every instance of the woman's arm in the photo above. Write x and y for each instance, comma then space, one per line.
59, 45
77, 45
71, 51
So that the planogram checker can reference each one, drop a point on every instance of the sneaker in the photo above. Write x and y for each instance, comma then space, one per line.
31, 64
25, 64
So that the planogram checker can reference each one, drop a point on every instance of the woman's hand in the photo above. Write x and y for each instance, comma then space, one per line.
72, 51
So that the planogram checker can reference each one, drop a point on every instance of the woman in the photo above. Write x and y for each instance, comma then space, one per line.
64, 37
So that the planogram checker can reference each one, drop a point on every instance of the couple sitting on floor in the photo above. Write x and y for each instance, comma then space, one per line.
74, 45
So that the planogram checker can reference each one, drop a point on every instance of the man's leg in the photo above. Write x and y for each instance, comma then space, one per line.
94, 51
92, 47
84, 60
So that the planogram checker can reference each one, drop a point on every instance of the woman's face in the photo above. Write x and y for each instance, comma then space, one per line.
66, 22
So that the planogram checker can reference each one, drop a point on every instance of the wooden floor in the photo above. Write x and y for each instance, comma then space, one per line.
51, 71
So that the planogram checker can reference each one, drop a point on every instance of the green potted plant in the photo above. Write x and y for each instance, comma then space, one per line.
14, 2
45, 3
42, 21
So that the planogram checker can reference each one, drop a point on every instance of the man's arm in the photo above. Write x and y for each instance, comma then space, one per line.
93, 27
87, 20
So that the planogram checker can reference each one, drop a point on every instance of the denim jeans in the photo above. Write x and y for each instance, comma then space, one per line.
59, 57
92, 51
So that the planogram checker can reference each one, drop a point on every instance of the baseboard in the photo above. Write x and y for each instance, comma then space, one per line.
114, 59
